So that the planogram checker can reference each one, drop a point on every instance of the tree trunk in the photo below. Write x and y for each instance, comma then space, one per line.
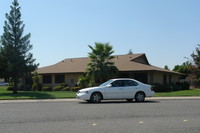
15, 86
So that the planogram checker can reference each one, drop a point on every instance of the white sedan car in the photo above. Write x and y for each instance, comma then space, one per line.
123, 88
3, 83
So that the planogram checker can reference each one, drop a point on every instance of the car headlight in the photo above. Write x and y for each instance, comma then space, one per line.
85, 92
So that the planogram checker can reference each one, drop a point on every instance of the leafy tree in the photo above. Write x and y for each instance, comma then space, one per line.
166, 67
16, 47
184, 68
101, 66
85, 81
195, 63
196, 57
36, 82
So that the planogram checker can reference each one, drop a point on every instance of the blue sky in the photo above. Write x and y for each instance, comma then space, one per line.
165, 30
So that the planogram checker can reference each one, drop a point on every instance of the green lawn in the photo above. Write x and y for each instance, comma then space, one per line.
192, 92
4, 94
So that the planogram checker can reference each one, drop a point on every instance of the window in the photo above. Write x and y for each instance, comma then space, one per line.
118, 83
59, 78
130, 83
47, 79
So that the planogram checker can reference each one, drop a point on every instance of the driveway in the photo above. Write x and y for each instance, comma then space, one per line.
72, 116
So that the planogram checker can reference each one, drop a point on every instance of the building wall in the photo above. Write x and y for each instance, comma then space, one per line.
175, 78
70, 79
152, 77
158, 77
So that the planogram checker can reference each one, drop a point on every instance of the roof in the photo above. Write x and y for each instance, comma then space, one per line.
134, 62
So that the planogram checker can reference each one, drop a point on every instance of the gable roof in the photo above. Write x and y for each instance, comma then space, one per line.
134, 62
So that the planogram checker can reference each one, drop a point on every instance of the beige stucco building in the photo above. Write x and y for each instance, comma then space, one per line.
130, 66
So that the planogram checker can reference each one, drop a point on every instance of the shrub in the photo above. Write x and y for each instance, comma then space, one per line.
176, 87
65, 89
64, 85
37, 87
170, 87
184, 86
84, 81
75, 88
47, 88
57, 88
10, 88
162, 87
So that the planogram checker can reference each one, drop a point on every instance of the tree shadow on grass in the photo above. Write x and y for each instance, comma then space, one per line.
26, 95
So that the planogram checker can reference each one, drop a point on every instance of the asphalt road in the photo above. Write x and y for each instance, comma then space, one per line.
152, 116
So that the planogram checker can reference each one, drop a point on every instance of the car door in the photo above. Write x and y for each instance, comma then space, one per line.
129, 89
114, 91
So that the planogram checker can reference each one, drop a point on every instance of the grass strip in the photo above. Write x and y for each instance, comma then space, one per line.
191, 92
8, 95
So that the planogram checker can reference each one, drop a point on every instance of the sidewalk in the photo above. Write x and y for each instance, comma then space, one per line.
75, 100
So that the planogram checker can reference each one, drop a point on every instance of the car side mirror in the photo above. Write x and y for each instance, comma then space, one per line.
109, 85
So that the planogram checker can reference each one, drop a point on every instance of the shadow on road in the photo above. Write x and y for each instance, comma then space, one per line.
120, 102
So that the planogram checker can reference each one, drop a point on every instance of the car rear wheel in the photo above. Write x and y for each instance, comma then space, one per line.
139, 97
88, 101
96, 97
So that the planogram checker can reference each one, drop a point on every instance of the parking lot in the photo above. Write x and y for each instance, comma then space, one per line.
72, 116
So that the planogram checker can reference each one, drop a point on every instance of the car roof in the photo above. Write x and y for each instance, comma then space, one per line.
123, 79
127, 79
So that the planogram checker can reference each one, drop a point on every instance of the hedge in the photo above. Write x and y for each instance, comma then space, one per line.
47, 88
170, 87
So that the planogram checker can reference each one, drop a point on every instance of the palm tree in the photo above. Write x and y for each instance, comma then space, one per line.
101, 67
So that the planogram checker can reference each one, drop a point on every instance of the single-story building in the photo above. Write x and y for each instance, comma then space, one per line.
130, 66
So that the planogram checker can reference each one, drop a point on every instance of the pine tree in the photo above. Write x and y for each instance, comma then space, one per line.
16, 47
166, 67
130, 52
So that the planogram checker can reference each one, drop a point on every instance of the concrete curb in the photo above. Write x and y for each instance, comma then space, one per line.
75, 100
37, 100
173, 98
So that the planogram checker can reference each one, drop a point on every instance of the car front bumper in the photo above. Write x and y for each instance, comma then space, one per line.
83, 96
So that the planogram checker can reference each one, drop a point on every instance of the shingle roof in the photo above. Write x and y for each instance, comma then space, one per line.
122, 62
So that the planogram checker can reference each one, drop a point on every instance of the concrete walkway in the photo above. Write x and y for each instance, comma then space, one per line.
73, 99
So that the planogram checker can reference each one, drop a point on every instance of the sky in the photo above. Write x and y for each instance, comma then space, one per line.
167, 31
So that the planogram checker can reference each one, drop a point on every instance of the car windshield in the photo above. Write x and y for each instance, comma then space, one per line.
106, 83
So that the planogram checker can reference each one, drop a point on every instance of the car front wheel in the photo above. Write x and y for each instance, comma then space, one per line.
96, 97
139, 97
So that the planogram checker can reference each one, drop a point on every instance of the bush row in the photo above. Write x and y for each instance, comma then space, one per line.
60, 88
57, 88
171, 87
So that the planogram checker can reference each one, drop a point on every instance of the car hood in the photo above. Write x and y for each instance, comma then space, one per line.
89, 89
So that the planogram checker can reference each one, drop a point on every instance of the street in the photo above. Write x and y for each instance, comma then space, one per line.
152, 116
